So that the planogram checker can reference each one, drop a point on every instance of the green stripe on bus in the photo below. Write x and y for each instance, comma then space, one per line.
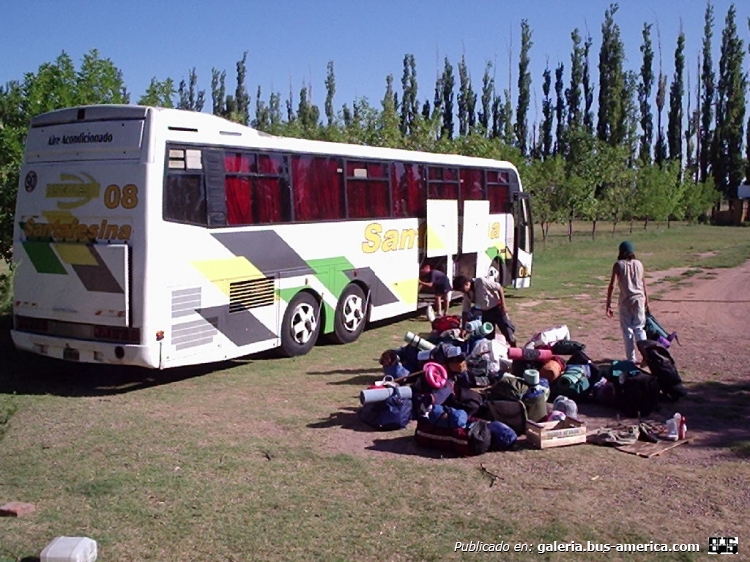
43, 258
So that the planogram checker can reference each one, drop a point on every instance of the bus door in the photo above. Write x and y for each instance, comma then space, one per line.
474, 238
523, 243
442, 228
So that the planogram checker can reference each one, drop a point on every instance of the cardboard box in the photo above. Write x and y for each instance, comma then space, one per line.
546, 435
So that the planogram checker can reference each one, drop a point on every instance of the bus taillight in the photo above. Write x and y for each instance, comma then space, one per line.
29, 324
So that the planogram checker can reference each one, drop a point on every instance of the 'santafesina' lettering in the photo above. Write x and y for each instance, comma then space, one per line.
388, 241
495, 231
74, 230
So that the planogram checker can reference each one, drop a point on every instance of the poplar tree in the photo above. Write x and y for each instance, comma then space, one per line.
448, 83
488, 92
660, 151
464, 94
588, 89
524, 89
330, 93
241, 97
409, 102
189, 97
676, 92
573, 93
644, 96
218, 91
560, 109
547, 112
612, 93
705, 135
728, 166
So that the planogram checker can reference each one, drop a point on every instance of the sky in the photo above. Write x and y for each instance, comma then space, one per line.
290, 42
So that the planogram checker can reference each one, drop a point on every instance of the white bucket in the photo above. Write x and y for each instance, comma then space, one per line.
70, 549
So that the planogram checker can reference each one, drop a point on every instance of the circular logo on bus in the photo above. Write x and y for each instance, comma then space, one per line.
30, 181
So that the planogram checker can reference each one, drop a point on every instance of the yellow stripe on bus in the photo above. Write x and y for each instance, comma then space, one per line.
219, 271
75, 254
406, 290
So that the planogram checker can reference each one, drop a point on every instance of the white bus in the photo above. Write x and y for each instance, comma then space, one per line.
159, 237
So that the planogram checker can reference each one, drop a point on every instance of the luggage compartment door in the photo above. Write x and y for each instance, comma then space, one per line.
442, 227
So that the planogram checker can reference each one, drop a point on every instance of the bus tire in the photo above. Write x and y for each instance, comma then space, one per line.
351, 315
301, 325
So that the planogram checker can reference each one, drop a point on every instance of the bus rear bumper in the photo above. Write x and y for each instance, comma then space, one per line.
83, 351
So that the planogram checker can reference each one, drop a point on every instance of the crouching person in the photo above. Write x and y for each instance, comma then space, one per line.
487, 296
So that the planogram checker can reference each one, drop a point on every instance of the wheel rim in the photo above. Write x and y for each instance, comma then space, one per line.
494, 271
352, 313
304, 323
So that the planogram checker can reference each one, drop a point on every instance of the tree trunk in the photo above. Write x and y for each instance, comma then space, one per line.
570, 230
614, 228
631, 225
593, 229
645, 223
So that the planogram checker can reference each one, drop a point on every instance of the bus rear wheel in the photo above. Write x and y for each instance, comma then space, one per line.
351, 315
301, 325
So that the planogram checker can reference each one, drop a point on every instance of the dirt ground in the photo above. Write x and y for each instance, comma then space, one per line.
710, 311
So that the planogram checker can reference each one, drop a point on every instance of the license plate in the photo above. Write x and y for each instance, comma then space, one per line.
70, 354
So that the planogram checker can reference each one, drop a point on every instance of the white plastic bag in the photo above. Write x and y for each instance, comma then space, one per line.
549, 336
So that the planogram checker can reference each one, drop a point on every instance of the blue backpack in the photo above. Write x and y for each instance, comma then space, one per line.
392, 413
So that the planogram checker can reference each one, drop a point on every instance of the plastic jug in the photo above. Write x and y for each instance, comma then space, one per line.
70, 549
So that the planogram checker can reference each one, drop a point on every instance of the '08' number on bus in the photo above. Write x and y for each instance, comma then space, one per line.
127, 196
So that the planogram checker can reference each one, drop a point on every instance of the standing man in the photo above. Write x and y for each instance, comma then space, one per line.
628, 275
488, 296
439, 284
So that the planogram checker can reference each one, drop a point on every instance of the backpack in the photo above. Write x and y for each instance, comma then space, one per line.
511, 412
573, 382
445, 323
567, 347
638, 396
463, 441
392, 413
662, 366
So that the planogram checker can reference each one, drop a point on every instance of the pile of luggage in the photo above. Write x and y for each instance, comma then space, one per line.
470, 394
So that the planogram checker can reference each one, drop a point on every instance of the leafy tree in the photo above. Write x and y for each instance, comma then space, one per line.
159, 94
99, 81
543, 179
524, 88
644, 97
705, 136
612, 93
676, 92
189, 97
728, 167
389, 133
631, 117
465, 94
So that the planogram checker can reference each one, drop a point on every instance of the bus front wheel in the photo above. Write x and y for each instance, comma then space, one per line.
301, 325
351, 315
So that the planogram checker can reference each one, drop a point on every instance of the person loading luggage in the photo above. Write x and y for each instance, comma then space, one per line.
633, 299
488, 296
439, 284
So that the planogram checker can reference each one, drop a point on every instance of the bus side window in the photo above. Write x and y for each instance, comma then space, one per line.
256, 189
367, 190
498, 191
318, 188
442, 183
472, 185
408, 183
185, 198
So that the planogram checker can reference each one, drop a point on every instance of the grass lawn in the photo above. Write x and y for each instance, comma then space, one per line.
263, 459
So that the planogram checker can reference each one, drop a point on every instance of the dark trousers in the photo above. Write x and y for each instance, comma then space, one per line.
498, 317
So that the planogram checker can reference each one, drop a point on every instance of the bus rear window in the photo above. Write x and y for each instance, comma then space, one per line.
185, 199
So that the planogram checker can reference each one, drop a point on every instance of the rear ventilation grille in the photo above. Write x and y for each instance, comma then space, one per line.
244, 295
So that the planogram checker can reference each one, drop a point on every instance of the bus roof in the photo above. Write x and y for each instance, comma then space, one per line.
217, 128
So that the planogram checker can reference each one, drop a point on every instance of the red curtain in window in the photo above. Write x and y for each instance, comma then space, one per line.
408, 190
367, 199
472, 181
238, 163
499, 198
237, 194
268, 201
317, 185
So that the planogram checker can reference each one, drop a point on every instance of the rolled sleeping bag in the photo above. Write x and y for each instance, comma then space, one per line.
413, 339
371, 395
435, 374
529, 354
531, 377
